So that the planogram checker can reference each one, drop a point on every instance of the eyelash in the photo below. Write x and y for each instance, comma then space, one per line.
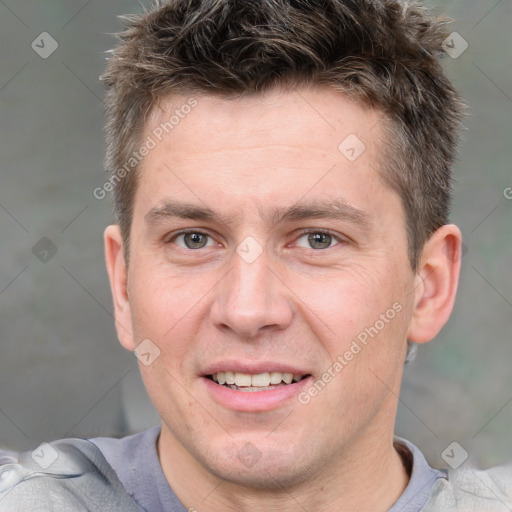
303, 232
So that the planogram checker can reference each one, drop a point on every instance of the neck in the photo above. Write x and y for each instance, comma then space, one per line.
370, 475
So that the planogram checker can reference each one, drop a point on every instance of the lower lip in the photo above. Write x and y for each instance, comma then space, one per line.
252, 401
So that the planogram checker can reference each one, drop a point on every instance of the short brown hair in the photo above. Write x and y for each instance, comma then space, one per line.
382, 53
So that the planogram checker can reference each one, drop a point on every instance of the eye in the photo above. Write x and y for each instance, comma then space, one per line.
192, 240
318, 240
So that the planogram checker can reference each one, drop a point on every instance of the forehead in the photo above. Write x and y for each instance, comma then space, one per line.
319, 117
270, 149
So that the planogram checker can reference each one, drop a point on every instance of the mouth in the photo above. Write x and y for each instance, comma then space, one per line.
254, 386
251, 383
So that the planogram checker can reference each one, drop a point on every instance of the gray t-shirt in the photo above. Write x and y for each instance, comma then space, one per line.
124, 475
136, 463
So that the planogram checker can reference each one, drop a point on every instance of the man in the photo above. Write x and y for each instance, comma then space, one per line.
281, 174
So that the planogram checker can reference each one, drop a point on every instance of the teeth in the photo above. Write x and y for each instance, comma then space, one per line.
242, 379
276, 377
261, 380
288, 377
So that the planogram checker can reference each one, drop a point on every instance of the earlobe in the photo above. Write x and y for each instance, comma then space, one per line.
436, 283
118, 276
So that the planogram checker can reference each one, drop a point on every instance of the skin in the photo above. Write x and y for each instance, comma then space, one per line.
298, 302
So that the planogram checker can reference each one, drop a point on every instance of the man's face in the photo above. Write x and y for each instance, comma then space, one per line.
256, 290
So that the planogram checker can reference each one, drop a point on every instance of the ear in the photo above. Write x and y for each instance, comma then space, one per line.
436, 283
118, 276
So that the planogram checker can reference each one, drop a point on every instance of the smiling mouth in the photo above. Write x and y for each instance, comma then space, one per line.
254, 383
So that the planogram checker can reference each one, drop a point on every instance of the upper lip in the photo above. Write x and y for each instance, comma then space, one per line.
252, 368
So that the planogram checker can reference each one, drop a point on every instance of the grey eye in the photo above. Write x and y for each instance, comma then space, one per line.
317, 240
193, 240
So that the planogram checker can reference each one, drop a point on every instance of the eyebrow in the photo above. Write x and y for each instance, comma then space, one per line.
176, 209
333, 209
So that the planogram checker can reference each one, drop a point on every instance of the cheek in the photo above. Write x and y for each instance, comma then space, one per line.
161, 308
156, 295
346, 301
361, 317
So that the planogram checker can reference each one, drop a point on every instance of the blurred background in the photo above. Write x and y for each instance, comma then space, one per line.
62, 371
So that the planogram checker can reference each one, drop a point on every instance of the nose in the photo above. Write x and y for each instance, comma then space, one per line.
251, 299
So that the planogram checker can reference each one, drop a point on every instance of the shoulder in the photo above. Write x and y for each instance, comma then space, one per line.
130, 456
473, 490
68, 474
136, 463
129, 447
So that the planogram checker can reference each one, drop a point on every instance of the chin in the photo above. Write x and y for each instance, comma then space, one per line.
266, 470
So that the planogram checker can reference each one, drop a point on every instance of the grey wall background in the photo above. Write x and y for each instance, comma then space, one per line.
62, 372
